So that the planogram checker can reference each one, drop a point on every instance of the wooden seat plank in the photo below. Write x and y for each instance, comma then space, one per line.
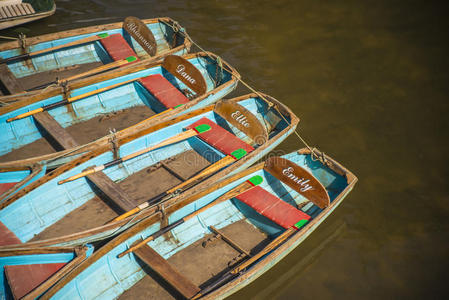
9, 81
16, 10
2, 13
156, 262
8, 12
30, 10
55, 130
20, 8
121, 200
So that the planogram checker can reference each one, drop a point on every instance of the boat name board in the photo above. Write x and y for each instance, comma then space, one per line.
302, 182
239, 117
140, 32
298, 179
180, 69
186, 72
243, 119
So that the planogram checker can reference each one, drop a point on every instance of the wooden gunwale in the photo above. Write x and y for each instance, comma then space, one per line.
259, 268
177, 201
41, 250
174, 204
140, 126
34, 169
70, 33
74, 32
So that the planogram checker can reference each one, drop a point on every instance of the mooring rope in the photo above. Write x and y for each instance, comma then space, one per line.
8, 37
176, 27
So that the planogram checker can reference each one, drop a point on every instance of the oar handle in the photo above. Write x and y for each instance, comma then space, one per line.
103, 68
82, 174
132, 211
27, 114
14, 58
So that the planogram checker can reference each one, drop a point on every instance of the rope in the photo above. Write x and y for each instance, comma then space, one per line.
182, 31
8, 37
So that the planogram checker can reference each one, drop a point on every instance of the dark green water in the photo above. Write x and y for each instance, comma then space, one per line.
369, 80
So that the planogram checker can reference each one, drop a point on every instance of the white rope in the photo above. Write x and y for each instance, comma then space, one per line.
177, 28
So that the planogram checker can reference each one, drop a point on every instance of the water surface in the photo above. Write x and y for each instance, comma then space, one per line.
369, 80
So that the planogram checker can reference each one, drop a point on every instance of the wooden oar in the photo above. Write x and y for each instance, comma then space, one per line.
69, 100
241, 188
225, 161
171, 140
102, 68
88, 39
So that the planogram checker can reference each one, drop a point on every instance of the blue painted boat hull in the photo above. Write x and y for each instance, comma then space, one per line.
90, 52
105, 276
50, 201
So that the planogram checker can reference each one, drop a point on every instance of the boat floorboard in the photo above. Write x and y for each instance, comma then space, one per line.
200, 264
96, 212
38, 79
84, 132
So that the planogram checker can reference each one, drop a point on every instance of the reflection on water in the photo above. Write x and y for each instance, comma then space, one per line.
369, 81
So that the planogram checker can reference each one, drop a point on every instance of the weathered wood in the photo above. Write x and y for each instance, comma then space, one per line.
140, 32
55, 130
186, 72
228, 240
111, 190
243, 119
9, 81
156, 262
39, 290
298, 179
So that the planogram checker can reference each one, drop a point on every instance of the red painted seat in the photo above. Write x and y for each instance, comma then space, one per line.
270, 206
6, 186
163, 90
7, 237
22, 279
117, 47
220, 138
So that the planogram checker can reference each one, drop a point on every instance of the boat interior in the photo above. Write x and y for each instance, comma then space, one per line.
198, 252
83, 204
154, 91
63, 63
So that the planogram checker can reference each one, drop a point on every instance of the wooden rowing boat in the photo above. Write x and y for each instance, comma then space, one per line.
74, 212
40, 267
28, 64
213, 243
17, 12
145, 94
